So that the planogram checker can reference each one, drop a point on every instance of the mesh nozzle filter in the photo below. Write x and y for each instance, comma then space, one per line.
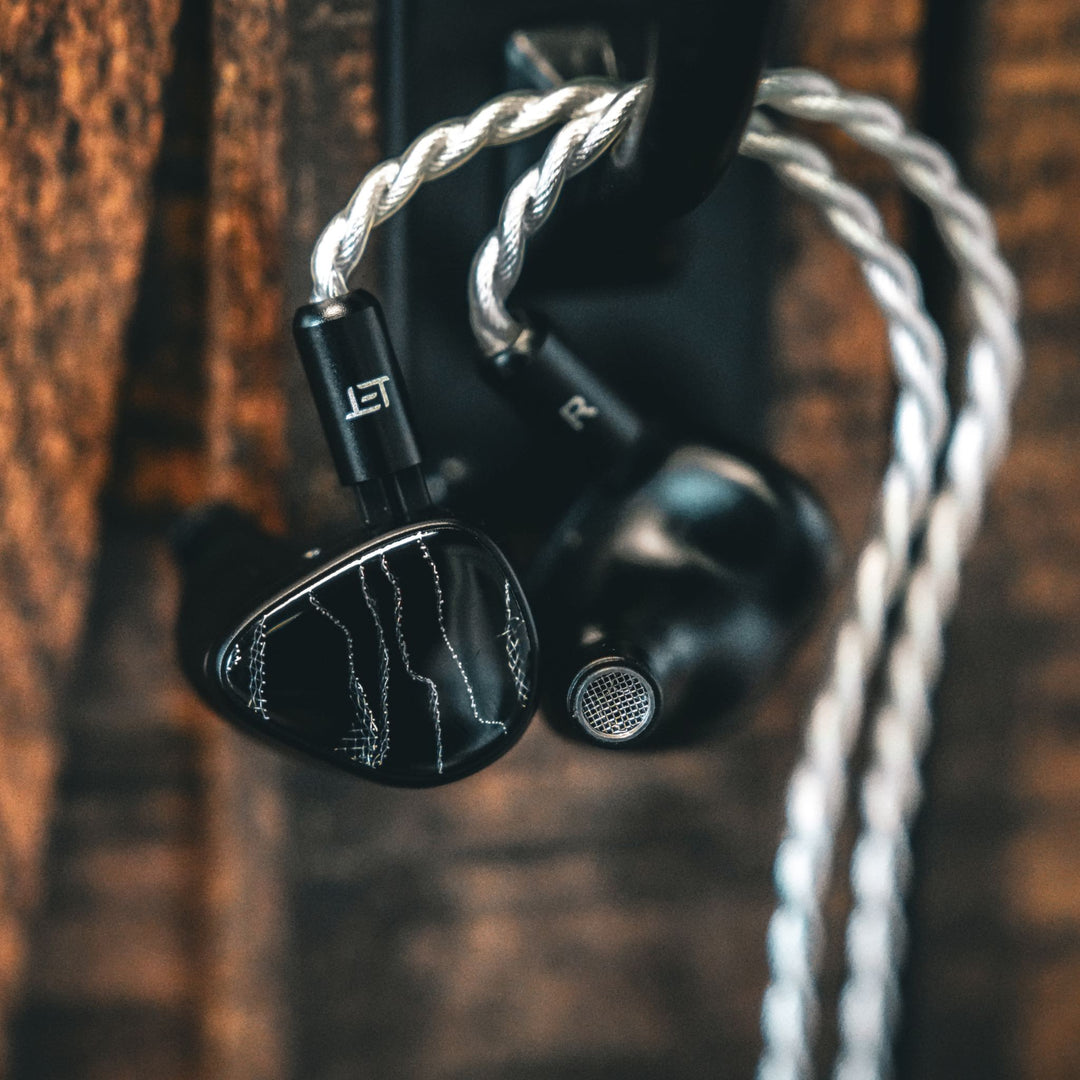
613, 701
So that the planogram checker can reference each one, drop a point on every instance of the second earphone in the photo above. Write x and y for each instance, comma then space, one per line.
679, 576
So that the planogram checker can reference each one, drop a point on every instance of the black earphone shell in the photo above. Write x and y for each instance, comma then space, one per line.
701, 575
678, 577
409, 655
434, 645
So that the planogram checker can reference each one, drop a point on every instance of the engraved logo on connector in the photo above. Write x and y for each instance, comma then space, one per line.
376, 391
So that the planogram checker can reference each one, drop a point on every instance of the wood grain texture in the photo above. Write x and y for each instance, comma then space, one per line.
159, 948
116, 982
997, 962
215, 911
246, 1035
80, 119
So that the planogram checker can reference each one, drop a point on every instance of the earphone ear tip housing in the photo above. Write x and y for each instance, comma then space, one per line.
709, 568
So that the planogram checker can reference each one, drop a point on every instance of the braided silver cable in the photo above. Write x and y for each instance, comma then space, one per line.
818, 789
438, 151
500, 258
928, 172
891, 788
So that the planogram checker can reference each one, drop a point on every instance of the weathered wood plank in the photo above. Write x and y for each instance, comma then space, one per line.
80, 119
115, 980
997, 961
245, 1019
178, 932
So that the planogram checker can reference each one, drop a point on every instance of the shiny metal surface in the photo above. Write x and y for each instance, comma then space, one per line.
612, 702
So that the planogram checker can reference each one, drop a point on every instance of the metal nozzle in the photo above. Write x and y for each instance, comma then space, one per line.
612, 701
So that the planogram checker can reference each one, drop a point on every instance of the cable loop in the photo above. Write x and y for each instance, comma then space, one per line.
804, 862
438, 151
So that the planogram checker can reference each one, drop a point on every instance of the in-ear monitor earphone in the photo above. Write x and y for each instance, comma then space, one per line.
408, 657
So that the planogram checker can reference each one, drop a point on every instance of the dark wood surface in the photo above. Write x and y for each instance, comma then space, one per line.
80, 122
213, 910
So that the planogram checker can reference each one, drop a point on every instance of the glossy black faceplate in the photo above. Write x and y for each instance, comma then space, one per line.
410, 659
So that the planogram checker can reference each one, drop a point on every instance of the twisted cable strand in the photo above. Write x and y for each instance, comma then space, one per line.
818, 789
891, 788
500, 258
930, 174
438, 151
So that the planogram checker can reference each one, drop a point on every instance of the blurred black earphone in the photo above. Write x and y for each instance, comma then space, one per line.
678, 577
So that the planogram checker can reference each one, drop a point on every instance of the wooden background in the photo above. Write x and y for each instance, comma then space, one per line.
178, 902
